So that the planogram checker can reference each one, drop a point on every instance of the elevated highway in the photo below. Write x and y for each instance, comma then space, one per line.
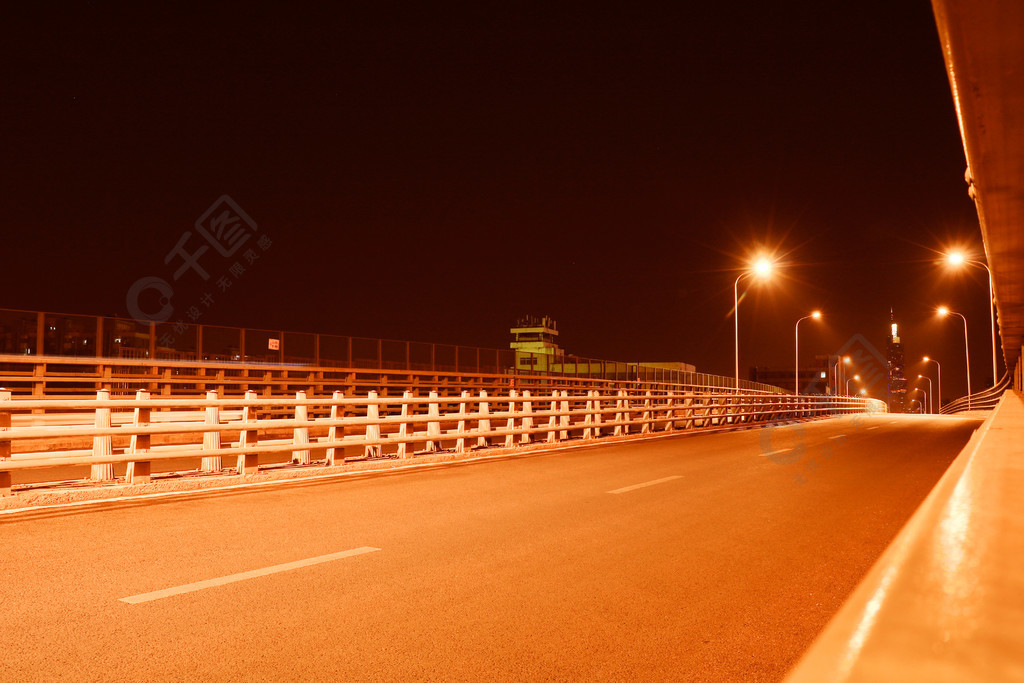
703, 557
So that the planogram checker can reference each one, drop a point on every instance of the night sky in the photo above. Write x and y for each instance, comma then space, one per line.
431, 173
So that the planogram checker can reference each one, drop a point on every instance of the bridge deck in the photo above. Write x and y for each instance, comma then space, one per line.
707, 557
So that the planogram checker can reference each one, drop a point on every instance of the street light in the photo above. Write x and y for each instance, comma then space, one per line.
921, 403
796, 366
761, 268
944, 311
958, 258
855, 377
939, 370
931, 408
836, 371
863, 392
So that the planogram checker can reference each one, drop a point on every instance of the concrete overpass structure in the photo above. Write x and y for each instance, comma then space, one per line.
861, 547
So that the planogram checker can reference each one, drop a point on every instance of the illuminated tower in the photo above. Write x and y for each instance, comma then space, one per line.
897, 382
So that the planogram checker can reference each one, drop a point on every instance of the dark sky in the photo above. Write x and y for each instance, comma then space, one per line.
431, 173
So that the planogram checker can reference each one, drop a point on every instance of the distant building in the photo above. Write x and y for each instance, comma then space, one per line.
897, 388
812, 380
535, 344
534, 339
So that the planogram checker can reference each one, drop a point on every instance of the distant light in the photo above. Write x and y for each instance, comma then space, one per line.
863, 392
823, 375
942, 310
846, 359
763, 267
956, 258
857, 377
816, 315
894, 333
926, 358
920, 376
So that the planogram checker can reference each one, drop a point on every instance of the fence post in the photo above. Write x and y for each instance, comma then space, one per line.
552, 435
588, 416
300, 435
527, 421
372, 430
510, 439
403, 427
434, 425
139, 471
670, 414
646, 427
211, 440
332, 431
460, 444
564, 420
101, 445
621, 417
249, 463
5, 446
484, 425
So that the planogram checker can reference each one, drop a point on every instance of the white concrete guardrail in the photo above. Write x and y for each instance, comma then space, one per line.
256, 426
945, 601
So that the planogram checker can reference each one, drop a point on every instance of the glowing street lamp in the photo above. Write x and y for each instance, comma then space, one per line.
958, 258
931, 407
939, 371
944, 311
855, 377
761, 268
796, 366
863, 392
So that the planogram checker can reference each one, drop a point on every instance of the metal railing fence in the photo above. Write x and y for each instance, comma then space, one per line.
35, 434
27, 336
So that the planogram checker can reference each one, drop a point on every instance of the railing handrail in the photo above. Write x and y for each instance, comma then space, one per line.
557, 415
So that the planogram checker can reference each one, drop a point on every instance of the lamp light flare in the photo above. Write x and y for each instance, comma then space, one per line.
943, 311
763, 267
816, 315
956, 258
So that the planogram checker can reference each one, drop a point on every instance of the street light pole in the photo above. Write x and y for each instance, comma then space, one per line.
938, 369
967, 351
736, 323
855, 377
931, 408
796, 364
762, 267
956, 258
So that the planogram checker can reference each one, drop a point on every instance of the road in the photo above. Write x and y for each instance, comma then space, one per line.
684, 558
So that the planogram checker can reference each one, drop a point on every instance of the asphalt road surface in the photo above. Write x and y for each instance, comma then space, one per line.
702, 557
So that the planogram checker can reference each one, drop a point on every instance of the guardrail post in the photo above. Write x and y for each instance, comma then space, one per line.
484, 424
300, 435
211, 440
669, 411
510, 439
5, 446
622, 413
527, 421
564, 420
249, 463
138, 471
403, 427
372, 430
645, 428
460, 444
434, 425
101, 445
552, 435
588, 416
